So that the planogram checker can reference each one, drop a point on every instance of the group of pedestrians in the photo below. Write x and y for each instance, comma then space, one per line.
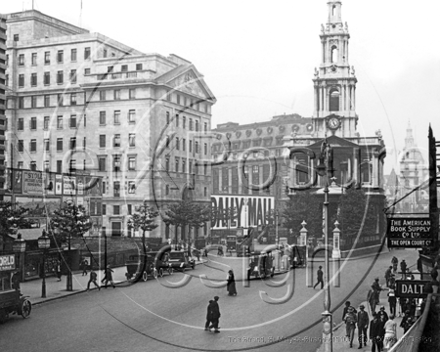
108, 278
383, 329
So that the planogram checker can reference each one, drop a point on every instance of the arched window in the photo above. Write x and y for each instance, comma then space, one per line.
334, 99
334, 56
333, 10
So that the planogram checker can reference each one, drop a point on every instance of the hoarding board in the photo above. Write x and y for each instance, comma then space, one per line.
7, 262
407, 232
251, 210
33, 182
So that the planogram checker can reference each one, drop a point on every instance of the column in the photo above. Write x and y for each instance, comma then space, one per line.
375, 174
356, 165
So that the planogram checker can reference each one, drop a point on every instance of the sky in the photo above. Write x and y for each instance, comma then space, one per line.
258, 57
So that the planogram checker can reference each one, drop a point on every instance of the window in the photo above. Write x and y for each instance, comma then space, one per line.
21, 60
21, 80
59, 122
104, 53
334, 100
85, 120
190, 146
116, 188
20, 145
167, 190
117, 94
177, 120
131, 190
47, 58
59, 166
72, 121
117, 117
46, 122
73, 55
72, 76
168, 117
132, 116
84, 145
138, 67
205, 191
205, 147
183, 165
86, 71
116, 163
86, 53
197, 125
33, 145
33, 101
196, 147
46, 101
167, 164
33, 79
205, 126
59, 144
124, 68
34, 59
46, 165
177, 143
72, 165
33, 165
21, 102
190, 124
132, 139
60, 99
102, 117
33, 123
167, 144
46, 145
46, 78
183, 144
104, 209
132, 93
178, 99
116, 209
20, 165
60, 55
16, 37
60, 77
73, 99
102, 95
117, 140
184, 121
101, 163
177, 165
131, 163
334, 54
102, 141
190, 164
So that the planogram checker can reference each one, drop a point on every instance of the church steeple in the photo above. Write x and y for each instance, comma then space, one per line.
335, 81
409, 140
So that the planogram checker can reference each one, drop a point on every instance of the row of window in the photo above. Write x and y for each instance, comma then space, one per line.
47, 56
168, 188
180, 165
189, 102
182, 142
46, 78
23, 102
192, 125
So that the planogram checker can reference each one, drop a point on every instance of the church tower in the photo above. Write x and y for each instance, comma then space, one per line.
334, 83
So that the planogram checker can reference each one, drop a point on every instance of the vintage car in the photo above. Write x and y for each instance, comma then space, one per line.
11, 299
260, 265
180, 260
154, 265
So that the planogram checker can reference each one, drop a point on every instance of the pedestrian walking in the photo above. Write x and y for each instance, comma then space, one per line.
362, 322
108, 277
344, 313
382, 322
403, 268
407, 321
209, 315
390, 333
350, 323
392, 300
92, 279
232, 290
84, 266
388, 274
320, 275
373, 295
375, 333
215, 315
382, 313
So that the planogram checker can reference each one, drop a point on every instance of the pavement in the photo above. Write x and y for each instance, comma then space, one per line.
340, 341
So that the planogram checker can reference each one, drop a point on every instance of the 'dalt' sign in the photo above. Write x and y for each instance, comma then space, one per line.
409, 232
410, 288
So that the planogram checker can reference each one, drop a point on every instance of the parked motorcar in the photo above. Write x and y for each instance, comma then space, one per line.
181, 260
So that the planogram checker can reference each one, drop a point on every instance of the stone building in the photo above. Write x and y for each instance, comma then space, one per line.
245, 153
81, 102
2, 100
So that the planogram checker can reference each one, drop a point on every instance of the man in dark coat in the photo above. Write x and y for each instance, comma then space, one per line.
376, 331
382, 313
209, 315
344, 313
403, 268
215, 315
320, 274
362, 322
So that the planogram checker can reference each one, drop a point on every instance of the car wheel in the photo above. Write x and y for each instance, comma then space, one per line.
3, 316
170, 271
145, 276
25, 308
155, 274
161, 272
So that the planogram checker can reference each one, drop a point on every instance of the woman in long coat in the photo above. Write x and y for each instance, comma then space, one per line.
232, 290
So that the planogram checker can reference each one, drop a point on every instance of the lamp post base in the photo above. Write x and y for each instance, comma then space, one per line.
327, 331
69, 286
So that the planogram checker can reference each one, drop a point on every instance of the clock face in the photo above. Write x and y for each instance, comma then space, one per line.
333, 123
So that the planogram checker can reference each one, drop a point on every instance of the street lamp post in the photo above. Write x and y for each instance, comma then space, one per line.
44, 244
69, 286
19, 246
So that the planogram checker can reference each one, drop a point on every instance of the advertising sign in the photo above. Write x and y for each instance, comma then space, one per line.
406, 232
410, 288
7, 262
33, 182
49, 184
58, 184
69, 185
249, 211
